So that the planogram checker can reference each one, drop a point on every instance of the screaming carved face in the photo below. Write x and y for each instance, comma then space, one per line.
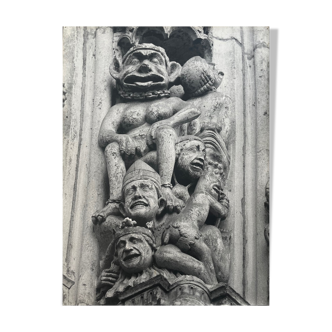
145, 68
190, 163
141, 201
134, 253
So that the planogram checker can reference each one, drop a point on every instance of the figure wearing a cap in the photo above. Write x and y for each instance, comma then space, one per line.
143, 199
145, 121
129, 261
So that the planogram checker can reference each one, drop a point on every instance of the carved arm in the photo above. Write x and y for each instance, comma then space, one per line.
219, 208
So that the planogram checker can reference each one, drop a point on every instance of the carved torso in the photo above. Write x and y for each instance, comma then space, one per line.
137, 114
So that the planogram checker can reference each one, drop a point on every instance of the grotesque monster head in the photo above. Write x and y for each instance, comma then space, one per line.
145, 67
134, 247
142, 193
190, 162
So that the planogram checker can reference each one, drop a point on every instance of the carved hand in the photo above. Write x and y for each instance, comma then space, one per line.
224, 201
128, 146
109, 276
173, 203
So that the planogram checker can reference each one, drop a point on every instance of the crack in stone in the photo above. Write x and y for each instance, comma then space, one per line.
251, 55
227, 39
259, 45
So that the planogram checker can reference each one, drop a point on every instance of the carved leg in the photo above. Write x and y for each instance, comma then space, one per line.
151, 159
165, 141
116, 171
171, 257
203, 253
221, 258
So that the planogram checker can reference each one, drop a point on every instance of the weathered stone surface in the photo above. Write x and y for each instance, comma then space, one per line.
132, 130
184, 290
185, 161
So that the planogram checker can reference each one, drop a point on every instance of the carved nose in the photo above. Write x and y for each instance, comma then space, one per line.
138, 194
128, 247
144, 68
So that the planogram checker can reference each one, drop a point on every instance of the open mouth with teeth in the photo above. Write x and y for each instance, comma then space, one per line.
138, 204
143, 81
131, 257
197, 165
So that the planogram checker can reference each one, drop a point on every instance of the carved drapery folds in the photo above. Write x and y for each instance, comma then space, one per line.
168, 162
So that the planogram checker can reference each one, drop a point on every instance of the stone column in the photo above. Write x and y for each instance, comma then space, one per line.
243, 55
87, 84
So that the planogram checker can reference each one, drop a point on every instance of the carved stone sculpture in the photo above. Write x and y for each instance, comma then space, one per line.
183, 230
167, 164
133, 249
144, 123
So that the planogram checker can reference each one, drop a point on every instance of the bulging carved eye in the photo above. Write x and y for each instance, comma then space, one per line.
155, 61
130, 191
134, 61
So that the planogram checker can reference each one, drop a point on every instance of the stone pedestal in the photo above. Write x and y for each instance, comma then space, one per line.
186, 290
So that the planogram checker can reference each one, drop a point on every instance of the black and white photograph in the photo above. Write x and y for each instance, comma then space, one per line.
166, 165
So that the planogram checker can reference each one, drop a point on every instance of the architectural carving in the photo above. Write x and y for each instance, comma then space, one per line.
166, 149
167, 164
131, 130
132, 250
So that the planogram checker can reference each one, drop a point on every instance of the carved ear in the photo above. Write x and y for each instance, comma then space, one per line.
121, 208
115, 68
174, 71
162, 205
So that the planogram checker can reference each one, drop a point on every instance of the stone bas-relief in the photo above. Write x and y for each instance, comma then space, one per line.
167, 165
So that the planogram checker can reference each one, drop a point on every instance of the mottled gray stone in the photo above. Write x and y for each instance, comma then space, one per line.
208, 156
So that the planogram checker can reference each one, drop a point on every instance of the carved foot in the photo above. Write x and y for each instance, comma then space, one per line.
111, 208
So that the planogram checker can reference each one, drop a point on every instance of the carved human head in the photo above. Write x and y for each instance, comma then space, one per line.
199, 77
211, 180
190, 158
145, 67
134, 247
141, 192
216, 150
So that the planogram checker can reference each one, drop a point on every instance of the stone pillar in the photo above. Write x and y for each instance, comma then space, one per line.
87, 88
243, 55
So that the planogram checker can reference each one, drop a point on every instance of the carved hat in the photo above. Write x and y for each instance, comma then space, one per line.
128, 226
197, 77
140, 170
146, 47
